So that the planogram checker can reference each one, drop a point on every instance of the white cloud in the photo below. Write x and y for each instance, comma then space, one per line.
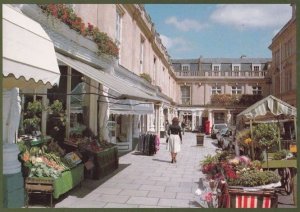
185, 25
252, 16
177, 43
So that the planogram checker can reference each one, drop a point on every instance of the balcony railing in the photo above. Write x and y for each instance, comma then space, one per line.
221, 74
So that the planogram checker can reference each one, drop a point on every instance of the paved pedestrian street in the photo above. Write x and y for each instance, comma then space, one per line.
146, 181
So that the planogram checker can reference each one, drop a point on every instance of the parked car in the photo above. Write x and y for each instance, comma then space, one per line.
216, 128
223, 132
224, 138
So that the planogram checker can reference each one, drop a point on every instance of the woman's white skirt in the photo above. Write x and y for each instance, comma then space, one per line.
174, 143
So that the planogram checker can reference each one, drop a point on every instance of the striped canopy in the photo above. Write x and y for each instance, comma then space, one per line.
267, 108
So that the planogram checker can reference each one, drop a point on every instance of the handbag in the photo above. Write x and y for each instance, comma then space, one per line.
167, 140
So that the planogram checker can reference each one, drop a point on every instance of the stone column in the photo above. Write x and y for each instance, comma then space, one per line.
68, 102
103, 114
210, 118
129, 131
161, 119
45, 102
136, 126
92, 105
193, 120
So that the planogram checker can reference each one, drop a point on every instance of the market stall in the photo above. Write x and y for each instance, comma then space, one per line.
275, 120
47, 169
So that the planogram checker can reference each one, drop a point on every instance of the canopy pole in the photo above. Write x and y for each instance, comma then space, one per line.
279, 140
295, 128
252, 146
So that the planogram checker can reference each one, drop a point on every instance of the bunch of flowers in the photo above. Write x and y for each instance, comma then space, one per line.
67, 15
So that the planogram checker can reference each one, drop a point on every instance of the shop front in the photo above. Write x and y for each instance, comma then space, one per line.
26, 68
127, 116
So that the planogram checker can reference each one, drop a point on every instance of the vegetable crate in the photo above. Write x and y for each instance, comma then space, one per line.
239, 198
39, 185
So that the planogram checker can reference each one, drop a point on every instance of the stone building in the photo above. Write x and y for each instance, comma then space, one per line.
282, 73
200, 79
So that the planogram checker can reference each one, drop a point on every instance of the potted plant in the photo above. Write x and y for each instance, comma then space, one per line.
56, 120
33, 115
266, 136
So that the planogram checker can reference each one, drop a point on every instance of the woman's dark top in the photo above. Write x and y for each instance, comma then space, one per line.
175, 130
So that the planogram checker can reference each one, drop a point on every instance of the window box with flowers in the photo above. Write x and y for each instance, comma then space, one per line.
66, 15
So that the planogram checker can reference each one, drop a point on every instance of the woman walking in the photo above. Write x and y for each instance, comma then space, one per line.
175, 139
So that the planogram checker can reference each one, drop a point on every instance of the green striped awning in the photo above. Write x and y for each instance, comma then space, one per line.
268, 106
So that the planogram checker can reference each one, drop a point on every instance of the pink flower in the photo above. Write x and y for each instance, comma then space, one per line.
208, 197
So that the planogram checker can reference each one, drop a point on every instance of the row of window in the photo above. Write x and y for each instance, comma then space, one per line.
256, 90
256, 67
186, 92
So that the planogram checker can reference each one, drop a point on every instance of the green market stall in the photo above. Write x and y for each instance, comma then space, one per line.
272, 109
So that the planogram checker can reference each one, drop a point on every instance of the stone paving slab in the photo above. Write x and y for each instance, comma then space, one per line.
174, 203
143, 200
113, 198
134, 193
152, 187
116, 205
162, 194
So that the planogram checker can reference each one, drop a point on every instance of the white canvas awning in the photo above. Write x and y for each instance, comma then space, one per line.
129, 106
28, 52
267, 108
112, 82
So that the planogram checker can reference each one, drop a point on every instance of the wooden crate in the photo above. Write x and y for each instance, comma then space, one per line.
44, 186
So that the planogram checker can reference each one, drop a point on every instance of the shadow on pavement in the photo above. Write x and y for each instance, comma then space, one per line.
88, 185
166, 161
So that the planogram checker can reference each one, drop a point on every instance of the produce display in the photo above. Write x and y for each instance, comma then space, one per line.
45, 160
95, 146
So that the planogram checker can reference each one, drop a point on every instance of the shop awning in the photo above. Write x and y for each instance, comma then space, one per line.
28, 52
129, 106
125, 90
268, 107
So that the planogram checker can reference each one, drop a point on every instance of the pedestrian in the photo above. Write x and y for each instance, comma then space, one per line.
183, 127
175, 139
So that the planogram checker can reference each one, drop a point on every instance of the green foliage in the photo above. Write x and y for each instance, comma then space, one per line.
56, 107
266, 135
33, 116
254, 177
146, 77
34, 108
280, 154
208, 159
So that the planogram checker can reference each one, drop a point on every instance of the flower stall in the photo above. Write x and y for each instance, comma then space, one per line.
237, 182
273, 129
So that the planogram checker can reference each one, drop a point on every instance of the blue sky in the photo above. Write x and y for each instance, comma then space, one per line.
214, 31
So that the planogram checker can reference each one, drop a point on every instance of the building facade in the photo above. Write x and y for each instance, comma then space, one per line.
201, 80
284, 60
